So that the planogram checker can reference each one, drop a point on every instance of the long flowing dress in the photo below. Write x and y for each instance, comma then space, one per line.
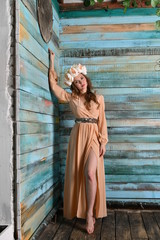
83, 137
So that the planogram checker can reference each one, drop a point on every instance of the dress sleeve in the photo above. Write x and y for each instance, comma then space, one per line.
102, 123
62, 95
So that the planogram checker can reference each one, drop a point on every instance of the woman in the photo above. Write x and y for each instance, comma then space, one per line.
84, 186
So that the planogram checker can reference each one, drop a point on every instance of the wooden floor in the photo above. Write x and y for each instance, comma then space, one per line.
118, 225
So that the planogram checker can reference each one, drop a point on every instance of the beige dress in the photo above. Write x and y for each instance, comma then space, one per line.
83, 137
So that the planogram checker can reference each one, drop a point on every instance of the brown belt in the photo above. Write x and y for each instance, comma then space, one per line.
86, 120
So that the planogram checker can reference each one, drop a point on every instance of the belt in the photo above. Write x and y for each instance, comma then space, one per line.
86, 120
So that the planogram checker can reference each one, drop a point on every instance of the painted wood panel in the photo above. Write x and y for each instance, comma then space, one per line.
121, 54
37, 126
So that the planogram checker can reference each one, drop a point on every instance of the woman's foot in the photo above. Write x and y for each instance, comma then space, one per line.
94, 220
90, 221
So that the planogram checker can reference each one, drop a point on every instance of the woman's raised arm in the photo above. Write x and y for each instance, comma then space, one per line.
59, 92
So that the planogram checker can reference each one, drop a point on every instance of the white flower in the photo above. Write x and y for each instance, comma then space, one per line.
73, 72
68, 79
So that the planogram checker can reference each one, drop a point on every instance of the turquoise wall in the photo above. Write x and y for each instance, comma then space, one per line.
121, 53
37, 112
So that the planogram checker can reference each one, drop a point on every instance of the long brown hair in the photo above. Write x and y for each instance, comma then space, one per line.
89, 95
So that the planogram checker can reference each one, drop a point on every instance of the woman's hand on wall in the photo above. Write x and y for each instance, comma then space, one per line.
102, 150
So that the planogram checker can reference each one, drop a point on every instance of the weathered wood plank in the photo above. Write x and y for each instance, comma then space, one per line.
102, 60
47, 179
77, 37
123, 51
79, 21
108, 28
122, 226
31, 44
151, 226
37, 156
118, 67
157, 217
133, 12
27, 212
31, 224
132, 178
133, 186
36, 117
111, 44
29, 201
108, 227
66, 114
31, 142
137, 227
65, 229
117, 195
34, 128
35, 104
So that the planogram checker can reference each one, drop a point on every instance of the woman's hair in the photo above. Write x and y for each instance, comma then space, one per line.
89, 95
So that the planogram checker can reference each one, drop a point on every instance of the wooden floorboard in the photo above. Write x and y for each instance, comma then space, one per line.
108, 227
151, 226
122, 226
137, 227
118, 225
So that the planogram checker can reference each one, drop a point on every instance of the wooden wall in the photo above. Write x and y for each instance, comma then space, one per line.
122, 56
37, 122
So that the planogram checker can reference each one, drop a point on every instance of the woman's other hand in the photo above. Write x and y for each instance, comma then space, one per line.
102, 150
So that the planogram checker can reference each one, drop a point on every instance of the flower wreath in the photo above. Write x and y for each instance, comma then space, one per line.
73, 72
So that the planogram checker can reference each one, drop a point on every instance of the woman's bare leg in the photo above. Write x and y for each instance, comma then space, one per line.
91, 187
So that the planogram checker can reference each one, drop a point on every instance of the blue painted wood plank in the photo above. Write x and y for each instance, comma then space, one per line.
125, 19
133, 194
110, 12
36, 104
28, 116
133, 186
31, 142
103, 60
29, 201
109, 36
38, 179
32, 223
33, 128
41, 164
98, 45
132, 178
37, 156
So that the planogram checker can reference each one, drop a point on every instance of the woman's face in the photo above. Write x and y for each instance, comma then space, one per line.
81, 83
